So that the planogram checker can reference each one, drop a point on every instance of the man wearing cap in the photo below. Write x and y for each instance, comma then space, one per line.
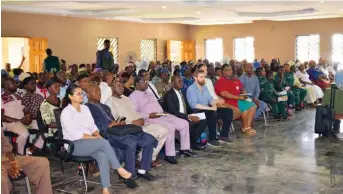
163, 85
104, 58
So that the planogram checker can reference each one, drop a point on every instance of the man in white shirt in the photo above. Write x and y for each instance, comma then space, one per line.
121, 106
105, 88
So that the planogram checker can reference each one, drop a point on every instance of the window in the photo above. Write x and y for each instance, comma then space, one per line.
337, 48
214, 49
243, 48
148, 49
307, 47
113, 46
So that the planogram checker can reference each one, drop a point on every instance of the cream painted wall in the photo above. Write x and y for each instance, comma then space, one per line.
74, 39
15, 44
272, 39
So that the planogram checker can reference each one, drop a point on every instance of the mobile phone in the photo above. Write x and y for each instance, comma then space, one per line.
118, 119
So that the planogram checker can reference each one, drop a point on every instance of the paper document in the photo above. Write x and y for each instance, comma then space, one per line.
201, 115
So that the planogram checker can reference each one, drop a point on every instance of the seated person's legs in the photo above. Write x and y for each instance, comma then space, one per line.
261, 108
22, 132
227, 115
248, 110
37, 169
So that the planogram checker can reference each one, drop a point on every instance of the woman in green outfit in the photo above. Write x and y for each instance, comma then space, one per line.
269, 95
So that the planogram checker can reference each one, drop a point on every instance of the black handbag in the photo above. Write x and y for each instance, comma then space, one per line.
122, 130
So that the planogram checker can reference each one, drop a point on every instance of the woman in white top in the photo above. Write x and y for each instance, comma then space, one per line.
305, 79
78, 126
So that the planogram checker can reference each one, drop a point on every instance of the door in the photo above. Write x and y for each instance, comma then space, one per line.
37, 53
188, 50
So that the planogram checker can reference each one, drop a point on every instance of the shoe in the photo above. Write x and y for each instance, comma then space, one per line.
155, 163
298, 108
187, 153
225, 140
171, 159
147, 176
130, 182
198, 147
213, 143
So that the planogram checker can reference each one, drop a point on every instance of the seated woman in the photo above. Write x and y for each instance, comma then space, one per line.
127, 79
51, 103
230, 89
315, 92
319, 78
78, 126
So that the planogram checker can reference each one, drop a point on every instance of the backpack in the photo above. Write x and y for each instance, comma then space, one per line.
203, 139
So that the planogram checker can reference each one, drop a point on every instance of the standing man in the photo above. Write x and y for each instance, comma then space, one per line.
51, 63
252, 86
104, 58
176, 104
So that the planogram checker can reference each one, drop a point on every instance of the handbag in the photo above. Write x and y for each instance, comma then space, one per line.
122, 130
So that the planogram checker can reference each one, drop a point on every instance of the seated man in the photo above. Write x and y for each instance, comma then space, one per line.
83, 82
13, 117
151, 87
121, 106
268, 94
104, 120
200, 98
163, 85
149, 109
32, 102
252, 86
37, 169
176, 104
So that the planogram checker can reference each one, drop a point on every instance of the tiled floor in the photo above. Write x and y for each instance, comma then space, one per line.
284, 158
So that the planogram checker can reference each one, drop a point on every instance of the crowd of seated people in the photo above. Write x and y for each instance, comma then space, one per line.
151, 105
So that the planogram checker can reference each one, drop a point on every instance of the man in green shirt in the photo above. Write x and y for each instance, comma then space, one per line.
269, 95
51, 63
280, 85
299, 93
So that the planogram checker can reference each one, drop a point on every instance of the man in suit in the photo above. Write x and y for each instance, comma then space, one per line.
175, 103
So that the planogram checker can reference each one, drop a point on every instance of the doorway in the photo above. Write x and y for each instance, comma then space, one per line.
33, 49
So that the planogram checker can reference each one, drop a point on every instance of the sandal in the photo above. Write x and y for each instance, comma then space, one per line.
248, 131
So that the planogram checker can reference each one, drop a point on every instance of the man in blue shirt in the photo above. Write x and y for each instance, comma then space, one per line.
251, 84
200, 99
104, 58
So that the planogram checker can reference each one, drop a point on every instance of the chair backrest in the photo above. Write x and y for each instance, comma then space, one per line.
42, 127
57, 113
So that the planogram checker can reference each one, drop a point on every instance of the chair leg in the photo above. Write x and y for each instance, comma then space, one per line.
61, 162
27, 182
232, 129
84, 177
265, 119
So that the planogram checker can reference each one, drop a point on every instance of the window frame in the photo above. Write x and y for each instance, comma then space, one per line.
222, 49
296, 49
234, 46
155, 48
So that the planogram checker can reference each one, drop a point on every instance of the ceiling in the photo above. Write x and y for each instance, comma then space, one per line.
196, 12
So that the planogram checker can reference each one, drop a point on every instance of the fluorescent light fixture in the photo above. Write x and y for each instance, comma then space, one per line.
64, 14
164, 7
198, 12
